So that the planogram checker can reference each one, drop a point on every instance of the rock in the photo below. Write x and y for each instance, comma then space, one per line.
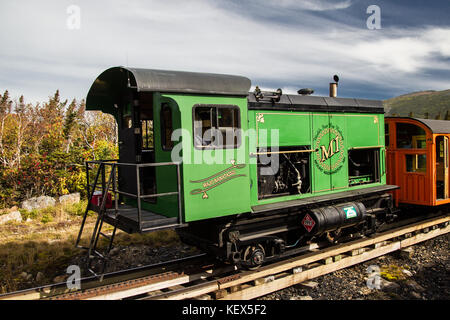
114, 251
365, 291
39, 277
415, 286
406, 253
38, 203
388, 285
13, 216
69, 198
24, 275
309, 285
12, 209
415, 295
59, 279
301, 298
407, 273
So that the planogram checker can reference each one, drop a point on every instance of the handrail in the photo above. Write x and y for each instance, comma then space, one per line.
114, 164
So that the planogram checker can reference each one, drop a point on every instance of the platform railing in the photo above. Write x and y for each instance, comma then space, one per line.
114, 166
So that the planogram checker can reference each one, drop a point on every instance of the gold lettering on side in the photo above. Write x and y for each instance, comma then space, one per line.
219, 178
326, 154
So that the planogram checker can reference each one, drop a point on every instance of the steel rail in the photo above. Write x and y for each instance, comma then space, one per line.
51, 290
252, 284
225, 282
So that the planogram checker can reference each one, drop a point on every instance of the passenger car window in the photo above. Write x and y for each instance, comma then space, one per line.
216, 126
410, 136
416, 163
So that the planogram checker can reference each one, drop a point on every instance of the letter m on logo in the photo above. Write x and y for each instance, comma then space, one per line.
333, 148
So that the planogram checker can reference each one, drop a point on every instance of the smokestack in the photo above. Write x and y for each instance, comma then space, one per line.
333, 90
333, 87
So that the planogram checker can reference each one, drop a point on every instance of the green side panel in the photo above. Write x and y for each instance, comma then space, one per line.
365, 130
339, 161
215, 181
275, 128
321, 158
331, 135
293, 128
253, 168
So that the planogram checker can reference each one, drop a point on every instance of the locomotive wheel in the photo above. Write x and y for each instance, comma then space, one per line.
254, 256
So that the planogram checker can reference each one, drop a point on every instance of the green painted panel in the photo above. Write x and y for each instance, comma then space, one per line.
321, 161
293, 128
216, 182
364, 130
339, 161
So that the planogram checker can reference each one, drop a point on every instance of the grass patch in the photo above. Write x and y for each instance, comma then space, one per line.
46, 244
77, 209
392, 273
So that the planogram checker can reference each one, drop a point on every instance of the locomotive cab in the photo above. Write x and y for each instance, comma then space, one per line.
153, 108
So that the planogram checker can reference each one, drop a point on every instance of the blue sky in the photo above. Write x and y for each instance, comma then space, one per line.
286, 43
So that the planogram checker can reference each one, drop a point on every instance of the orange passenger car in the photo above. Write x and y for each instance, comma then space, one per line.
417, 160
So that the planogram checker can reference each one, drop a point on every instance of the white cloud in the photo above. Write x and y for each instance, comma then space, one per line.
409, 52
200, 36
315, 5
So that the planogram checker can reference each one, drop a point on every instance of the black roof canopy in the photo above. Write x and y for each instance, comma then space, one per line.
107, 88
294, 102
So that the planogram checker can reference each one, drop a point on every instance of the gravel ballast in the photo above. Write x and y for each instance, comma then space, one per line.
422, 274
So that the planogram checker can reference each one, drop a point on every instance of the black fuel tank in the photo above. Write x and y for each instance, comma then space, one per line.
324, 219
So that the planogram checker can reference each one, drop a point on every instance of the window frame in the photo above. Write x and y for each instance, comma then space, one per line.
416, 156
422, 134
164, 138
144, 146
237, 126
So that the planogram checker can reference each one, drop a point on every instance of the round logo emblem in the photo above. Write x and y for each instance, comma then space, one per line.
329, 146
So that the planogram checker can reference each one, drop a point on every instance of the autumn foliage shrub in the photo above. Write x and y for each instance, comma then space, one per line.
43, 147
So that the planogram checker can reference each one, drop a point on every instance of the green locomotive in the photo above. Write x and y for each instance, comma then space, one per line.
246, 175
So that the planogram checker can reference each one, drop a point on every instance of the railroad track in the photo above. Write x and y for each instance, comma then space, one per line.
90, 284
208, 282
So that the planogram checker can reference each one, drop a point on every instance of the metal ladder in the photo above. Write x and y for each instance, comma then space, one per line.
93, 252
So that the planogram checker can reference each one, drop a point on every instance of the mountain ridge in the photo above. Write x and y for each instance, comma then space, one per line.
424, 104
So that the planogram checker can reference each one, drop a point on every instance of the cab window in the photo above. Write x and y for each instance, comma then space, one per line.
216, 126
166, 128
147, 134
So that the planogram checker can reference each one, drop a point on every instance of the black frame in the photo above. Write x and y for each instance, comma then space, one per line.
164, 138
218, 106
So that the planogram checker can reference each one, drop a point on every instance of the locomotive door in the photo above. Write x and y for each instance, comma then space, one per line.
216, 181
136, 143
442, 164
166, 116
128, 146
